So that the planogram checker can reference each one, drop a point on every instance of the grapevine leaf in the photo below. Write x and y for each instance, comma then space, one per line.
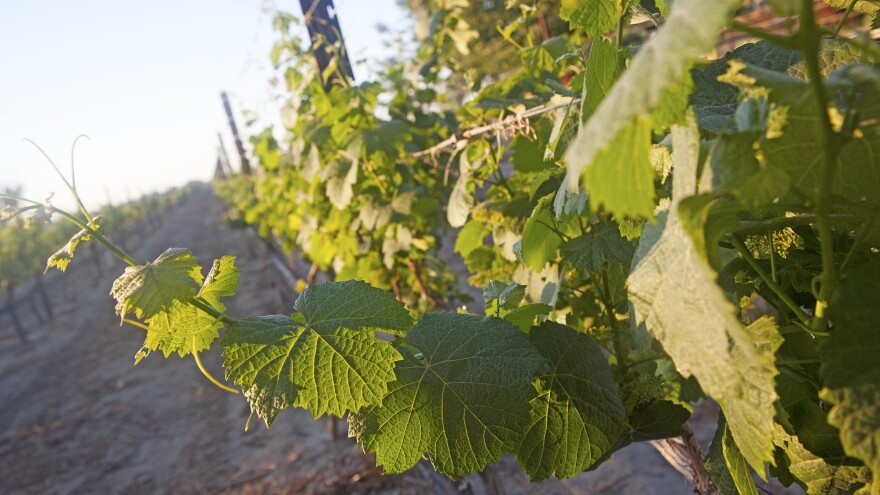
63, 256
342, 174
814, 474
602, 245
673, 290
461, 200
524, 316
507, 295
184, 327
578, 416
324, 358
463, 399
151, 288
540, 241
660, 66
851, 370
870, 7
726, 465
715, 102
470, 237
656, 419
352, 304
602, 70
798, 154
595, 17
621, 176
222, 280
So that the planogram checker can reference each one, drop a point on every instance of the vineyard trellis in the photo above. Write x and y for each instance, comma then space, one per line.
692, 228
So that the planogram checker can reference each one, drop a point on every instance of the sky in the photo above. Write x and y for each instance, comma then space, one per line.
142, 80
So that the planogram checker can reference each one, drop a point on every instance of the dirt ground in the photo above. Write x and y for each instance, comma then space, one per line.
75, 417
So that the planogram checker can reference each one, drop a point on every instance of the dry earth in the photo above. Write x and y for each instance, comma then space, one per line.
75, 417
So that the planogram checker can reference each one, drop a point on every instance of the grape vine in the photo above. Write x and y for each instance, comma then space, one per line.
665, 228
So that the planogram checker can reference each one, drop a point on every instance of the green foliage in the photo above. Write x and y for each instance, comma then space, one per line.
723, 244
282, 361
595, 17
184, 328
462, 417
851, 370
577, 416
151, 288
64, 255
725, 463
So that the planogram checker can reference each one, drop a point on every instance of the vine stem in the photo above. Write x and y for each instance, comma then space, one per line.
843, 19
788, 301
205, 372
809, 37
783, 41
608, 302
207, 308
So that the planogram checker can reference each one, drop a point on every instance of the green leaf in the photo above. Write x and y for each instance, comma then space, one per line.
325, 358
184, 327
870, 7
673, 290
798, 152
523, 317
814, 474
726, 465
540, 241
470, 237
715, 102
603, 68
507, 295
352, 304
656, 419
621, 177
577, 417
851, 369
63, 256
602, 245
660, 66
151, 288
595, 17
463, 417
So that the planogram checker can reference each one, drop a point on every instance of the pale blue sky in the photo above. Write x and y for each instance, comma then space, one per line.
142, 80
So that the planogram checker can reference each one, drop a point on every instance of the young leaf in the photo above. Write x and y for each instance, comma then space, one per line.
540, 241
595, 17
151, 288
660, 67
63, 256
325, 358
578, 416
463, 417
507, 295
851, 369
621, 177
523, 317
470, 237
603, 67
602, 245
184, 327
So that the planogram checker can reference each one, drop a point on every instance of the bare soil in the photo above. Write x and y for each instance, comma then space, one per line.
76, 418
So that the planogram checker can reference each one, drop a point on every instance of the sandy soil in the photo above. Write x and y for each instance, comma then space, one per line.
76, 418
